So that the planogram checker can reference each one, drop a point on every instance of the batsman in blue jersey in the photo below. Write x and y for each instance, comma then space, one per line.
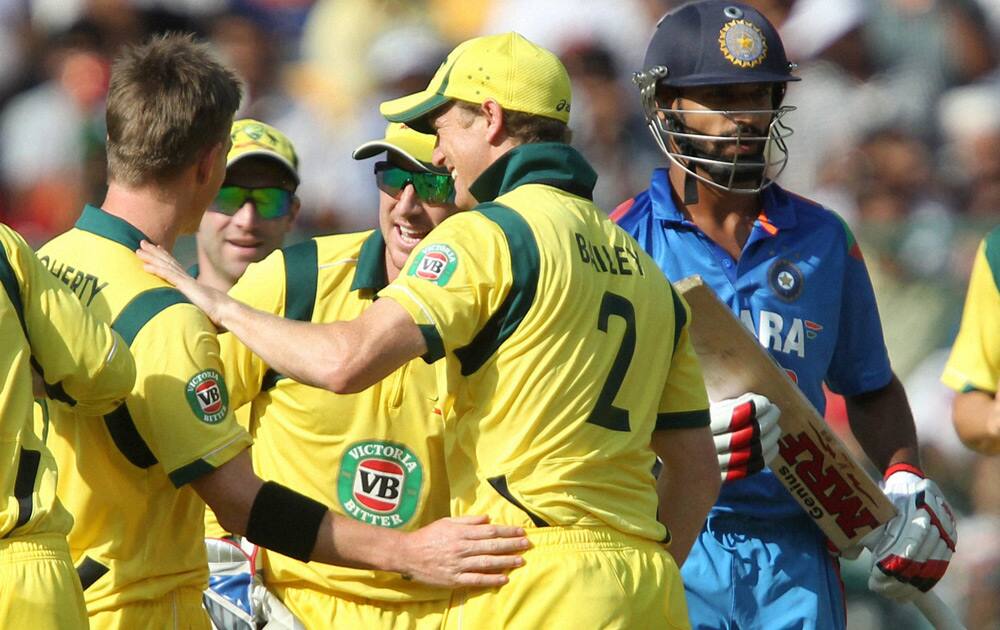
712, 85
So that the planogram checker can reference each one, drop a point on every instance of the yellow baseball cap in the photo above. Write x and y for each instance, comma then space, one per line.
514, 72
413, 147
252, 137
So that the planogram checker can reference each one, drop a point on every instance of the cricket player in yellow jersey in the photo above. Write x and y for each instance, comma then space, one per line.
249, 218
136, 479
85, 365
973, 370
567, 355
378, 455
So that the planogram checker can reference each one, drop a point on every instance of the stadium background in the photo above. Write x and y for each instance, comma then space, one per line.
898, 129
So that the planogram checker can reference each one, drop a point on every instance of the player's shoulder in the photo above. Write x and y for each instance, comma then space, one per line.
632, 211
814, 218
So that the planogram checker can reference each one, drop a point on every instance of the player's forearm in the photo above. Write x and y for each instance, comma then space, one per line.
308, 353
688, 485
976, 416
883, 425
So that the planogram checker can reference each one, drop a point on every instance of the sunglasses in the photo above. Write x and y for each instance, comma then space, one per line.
430, 187
271, 203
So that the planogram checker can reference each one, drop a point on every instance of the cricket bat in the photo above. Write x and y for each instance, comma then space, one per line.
812, 462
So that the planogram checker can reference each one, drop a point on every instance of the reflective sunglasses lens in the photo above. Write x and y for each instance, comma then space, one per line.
434, 188
229, 199
271, 203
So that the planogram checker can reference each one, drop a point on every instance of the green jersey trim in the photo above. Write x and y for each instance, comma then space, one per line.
550, 163
683, 420
136, 314
143, 308
24, 486
370, 271
680, 316
186, 474
301, 278
435, 347
10, 284
99, 222
991, 250
525, 263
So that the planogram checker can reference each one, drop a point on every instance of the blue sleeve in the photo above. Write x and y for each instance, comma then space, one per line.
860, 360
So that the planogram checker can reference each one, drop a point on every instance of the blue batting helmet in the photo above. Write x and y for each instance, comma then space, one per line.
708, 43
717, 42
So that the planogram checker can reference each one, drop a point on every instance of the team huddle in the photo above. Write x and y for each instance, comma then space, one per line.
487, 412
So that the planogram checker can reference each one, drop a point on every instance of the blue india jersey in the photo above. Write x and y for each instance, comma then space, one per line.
800, 285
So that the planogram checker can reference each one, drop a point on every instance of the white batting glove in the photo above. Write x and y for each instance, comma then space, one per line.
912, 551
746, 434
236, 598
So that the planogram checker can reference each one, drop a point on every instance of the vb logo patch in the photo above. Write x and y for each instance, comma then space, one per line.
379, 483
435, 263
207, 396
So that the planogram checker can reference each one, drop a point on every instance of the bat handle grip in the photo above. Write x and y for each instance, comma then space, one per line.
937, 613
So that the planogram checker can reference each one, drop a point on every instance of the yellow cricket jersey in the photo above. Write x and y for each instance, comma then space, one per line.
84, 364
139, 527
974, 363
566, 348
376, 456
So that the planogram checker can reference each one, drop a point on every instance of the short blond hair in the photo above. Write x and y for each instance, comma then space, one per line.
169, 100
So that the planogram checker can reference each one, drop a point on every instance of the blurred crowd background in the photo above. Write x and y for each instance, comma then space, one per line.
897, 129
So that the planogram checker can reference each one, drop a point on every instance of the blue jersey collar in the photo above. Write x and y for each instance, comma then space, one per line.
777, 213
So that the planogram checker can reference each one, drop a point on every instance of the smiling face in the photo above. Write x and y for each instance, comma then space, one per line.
405, 220
462, 148
228, 244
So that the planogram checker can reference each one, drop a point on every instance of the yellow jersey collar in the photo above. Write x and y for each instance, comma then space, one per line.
551, 163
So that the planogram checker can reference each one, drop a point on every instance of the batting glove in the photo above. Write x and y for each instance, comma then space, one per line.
746, 434
912, 551
236, 598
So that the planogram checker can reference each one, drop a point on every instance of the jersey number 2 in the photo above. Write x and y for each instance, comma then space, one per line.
605, 413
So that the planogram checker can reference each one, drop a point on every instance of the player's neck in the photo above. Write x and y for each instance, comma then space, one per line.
154, 211
210, 276
725, 217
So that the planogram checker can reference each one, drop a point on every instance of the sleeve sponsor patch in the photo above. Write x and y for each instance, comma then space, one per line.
435, 263
207, 396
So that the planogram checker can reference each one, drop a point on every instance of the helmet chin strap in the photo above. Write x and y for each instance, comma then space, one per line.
690, 190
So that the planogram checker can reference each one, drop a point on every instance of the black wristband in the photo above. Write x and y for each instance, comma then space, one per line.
285, 521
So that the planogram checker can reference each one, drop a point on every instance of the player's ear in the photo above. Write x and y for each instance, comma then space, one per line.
207, 162
293, 211
496, 128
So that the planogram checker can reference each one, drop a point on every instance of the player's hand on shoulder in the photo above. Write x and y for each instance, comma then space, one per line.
746, 432
462, 551
912, 551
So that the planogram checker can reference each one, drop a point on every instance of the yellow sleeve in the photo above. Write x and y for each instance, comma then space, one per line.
454, 282
974, 363
180, 404
84, 363
262, 286
684, 402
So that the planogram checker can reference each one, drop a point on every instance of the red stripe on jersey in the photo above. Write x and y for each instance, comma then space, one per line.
621, 210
